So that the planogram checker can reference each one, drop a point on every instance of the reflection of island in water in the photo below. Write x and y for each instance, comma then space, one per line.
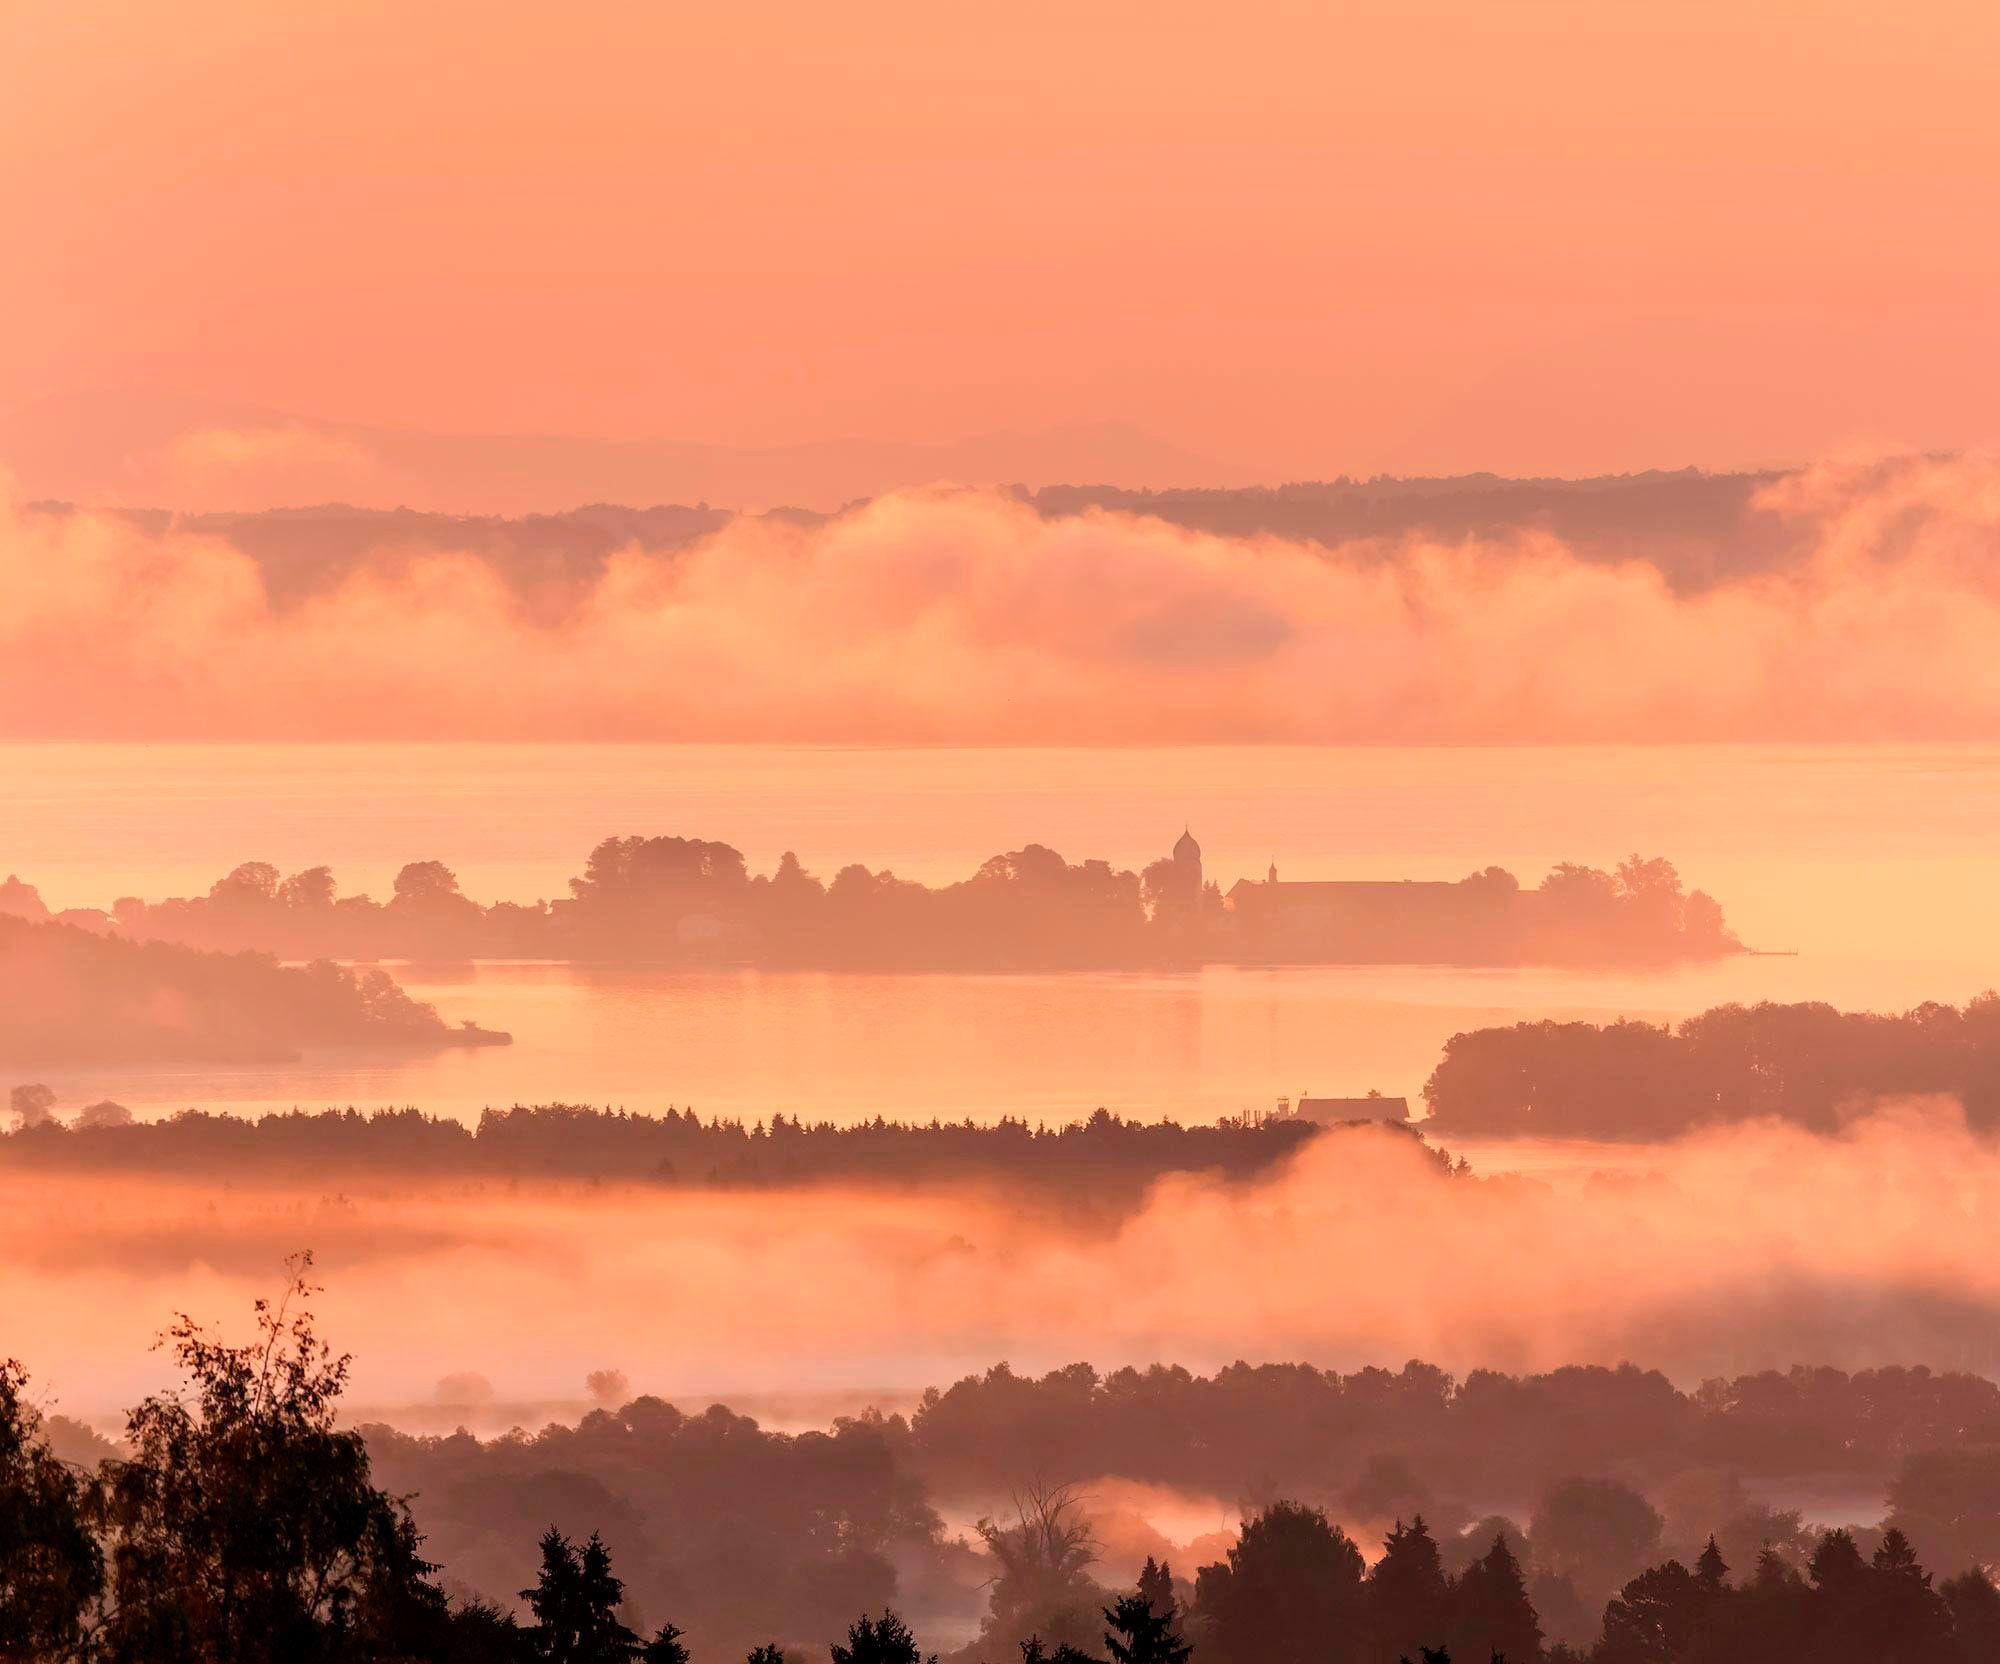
690, 901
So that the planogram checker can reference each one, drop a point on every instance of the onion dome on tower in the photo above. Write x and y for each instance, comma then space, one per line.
1187, 853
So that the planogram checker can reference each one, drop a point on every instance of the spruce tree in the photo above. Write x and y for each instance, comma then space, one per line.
666, 1647
1141, 1634
575, 1601
1036, 1651
1492, 1612
883, 1640
1409, 1597
556, 1600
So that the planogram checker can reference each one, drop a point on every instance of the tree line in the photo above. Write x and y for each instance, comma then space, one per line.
1807, 1063
70, 994
1420, 1437
1104, 1158
692, 900
240, 1521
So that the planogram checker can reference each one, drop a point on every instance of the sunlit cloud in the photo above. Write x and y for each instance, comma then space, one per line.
966, 616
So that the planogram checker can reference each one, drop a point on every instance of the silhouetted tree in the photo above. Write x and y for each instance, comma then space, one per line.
1491, 1612
1655, 1617
1408, 1595
1156, 1584
666, 1647
426, 881
1044, 1553
244, 1525
1289, 1592
310, 891
883, 1640
575, 1600
249, 887
1836, 1567
51, 1567
1141, 1634
1902, 1618
473, 1632
1035, 1650
32, 1106
1768, 1615
769, 1653
1949, 1500
102, 1116
1973, 1605
1595, 1531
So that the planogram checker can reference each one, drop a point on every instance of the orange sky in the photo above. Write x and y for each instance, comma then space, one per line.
1304, 237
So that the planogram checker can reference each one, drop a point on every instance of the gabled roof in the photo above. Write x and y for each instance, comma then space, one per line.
1352, 1109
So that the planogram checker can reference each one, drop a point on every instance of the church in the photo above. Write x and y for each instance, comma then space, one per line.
1353, 920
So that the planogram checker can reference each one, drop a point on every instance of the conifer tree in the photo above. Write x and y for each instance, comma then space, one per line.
666, 1647
1141, 1634
575, 1601
1036, 1651
883, 1640
1491, 1609
1408, 1593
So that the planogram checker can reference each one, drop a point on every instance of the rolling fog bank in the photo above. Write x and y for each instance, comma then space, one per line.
968, 617
1758, 1246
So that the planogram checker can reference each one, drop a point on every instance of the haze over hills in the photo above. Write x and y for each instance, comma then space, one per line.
1469, 609
1698, 529
122, 448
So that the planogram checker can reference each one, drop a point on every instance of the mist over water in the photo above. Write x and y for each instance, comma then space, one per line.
1728, 1252
827, 821
1742, 1249
1871, 861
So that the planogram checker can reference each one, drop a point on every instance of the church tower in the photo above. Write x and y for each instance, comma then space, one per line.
1187, 854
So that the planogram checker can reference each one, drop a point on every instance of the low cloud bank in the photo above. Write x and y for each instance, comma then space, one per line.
1759, 1246
965, 616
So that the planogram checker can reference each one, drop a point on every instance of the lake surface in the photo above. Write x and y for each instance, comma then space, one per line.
1875, 864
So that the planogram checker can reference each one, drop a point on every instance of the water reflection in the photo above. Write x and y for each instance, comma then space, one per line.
848, 1046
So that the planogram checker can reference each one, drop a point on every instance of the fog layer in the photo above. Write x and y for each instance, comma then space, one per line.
967, 616
1758, 1246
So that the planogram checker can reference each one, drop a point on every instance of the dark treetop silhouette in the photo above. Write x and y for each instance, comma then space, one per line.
1802, 1063
1103, 1157
240, 1522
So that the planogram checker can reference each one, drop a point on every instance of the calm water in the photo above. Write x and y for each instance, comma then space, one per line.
1876, 864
